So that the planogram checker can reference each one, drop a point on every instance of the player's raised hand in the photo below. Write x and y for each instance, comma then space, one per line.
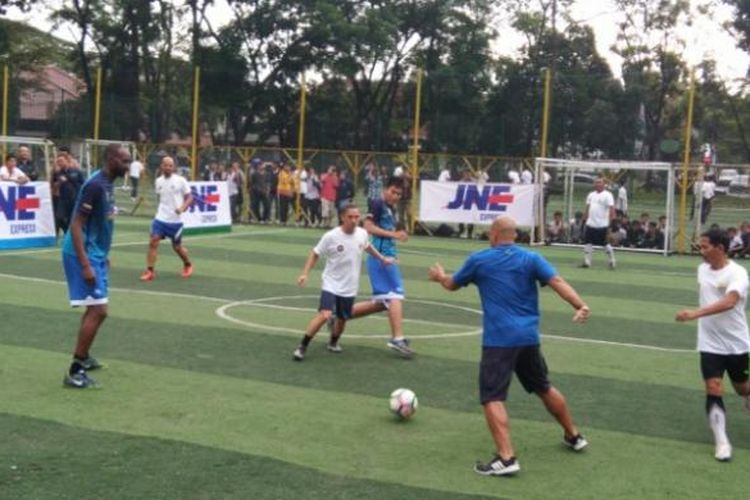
302, 280
582, 314
436, 272
401, 235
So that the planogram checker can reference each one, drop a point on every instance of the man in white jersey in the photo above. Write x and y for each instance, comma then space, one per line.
342, 248
134, 174
174, 198
599, 213
723, 340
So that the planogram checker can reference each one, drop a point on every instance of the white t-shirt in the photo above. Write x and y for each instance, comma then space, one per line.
302, 181
599, 205
513, 177
16, 176
445, 175
171, 192
708, 190
622, 199
527, 177
482, 177
343, 254
723, 333
135, 170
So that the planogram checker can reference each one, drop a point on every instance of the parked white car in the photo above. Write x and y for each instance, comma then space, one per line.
726, 176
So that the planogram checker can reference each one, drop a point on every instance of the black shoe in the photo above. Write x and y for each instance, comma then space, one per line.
498, 467
91, 363
575, 443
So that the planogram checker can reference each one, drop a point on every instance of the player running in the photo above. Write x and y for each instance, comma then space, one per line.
174, 198
342, 248
387, 286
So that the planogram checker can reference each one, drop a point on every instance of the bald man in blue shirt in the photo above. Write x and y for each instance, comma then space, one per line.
507, 276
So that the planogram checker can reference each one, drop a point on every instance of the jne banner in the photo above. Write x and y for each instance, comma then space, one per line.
210, 210
26, 218
472, 203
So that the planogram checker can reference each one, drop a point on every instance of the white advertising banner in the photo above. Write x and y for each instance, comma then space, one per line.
26, 217
210, 210
474, 203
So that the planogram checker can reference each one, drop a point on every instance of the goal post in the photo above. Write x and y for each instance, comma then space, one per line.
42, 152
92, 153
649, 188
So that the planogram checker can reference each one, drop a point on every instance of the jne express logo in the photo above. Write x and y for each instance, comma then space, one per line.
205, 200
490, 199
19, 205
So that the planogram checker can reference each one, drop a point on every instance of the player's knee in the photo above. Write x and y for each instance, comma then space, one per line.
326, 315
713, 386
154, 242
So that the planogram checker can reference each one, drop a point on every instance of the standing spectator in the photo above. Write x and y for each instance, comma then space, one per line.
599, 213
260, 204
621, 203
300, 188
526, 176
345, 191
445, 174
514, 177
69, 180
507, 276
374, 182
272, 178
285, 192
9, 172
708, 191
329, 183
235, 183
312, 198
404, 204
26, 164
723, 339
466, 177
134, 173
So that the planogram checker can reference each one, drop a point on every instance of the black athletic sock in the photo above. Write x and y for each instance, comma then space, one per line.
334, 340
714, 400
150, 268
507, 462
305, 341
76, 366
186, 263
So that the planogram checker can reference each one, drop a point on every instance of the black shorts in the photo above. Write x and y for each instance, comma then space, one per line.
714, 366
498, 364
340, 306
595, 236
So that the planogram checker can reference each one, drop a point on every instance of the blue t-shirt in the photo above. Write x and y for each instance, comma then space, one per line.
507, 277
385, 218
96, 201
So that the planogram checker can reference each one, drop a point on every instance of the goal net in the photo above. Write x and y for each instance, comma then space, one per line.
643, 192
32, 153
92, 155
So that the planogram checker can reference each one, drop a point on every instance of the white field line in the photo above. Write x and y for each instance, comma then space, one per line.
254, 302
144, 241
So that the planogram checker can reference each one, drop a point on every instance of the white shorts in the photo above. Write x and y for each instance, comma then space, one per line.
329, 208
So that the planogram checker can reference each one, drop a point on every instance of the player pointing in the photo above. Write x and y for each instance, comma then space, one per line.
342, 248
174, 198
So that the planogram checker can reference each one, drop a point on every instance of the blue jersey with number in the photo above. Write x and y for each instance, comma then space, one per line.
384, 217
96, 202
507, 277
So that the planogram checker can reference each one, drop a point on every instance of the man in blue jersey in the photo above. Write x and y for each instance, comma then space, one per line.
386, 282
507, 276
86, 259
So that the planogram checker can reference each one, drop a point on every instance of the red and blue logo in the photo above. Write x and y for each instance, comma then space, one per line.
205, 198
495, 198
19, 203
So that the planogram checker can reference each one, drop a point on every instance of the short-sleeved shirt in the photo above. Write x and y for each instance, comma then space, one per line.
14, 176
507, 277
135, 169
328, 185
383, 216
343, 254
171, 191
599, 204
96, 201
726, 332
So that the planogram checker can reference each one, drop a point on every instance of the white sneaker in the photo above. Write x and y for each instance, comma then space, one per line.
723, 452
575, 443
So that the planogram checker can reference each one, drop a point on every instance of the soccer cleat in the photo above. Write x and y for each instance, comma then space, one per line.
299, 353
401, 346
496, 467
91, 363
575, 443
187, 271
723, 452
584, 265
334, 348
148, 275
79, 380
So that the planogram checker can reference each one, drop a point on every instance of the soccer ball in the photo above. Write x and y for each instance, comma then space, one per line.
403, 403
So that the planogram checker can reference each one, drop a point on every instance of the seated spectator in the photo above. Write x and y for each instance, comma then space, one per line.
9, 172
556, 229
576, 228
735, 242
617, 233
652, 238
635, 235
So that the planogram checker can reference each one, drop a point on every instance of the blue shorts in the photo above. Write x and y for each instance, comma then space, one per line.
171, 230
80, 292
340, 306
385, 280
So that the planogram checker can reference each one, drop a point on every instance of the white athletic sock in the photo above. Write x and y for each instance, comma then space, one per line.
718, 421
588, 251
610, 253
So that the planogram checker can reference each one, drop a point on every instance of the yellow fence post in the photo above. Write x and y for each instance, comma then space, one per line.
196, 101
300, 142
415, 152
5, 105
681, 230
